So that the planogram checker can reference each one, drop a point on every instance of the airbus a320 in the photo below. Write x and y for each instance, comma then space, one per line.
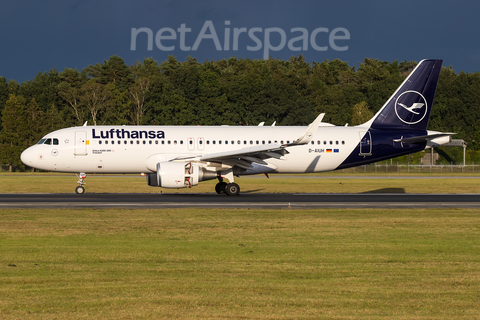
183, 156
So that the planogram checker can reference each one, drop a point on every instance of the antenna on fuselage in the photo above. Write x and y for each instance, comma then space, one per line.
85, 124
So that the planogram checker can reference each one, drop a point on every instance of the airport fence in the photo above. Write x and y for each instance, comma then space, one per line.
413, 168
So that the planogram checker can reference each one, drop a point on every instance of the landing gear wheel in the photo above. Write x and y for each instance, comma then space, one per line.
81, 181
80, 190
220, 187
232, 189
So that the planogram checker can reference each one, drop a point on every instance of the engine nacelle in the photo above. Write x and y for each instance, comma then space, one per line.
178, 175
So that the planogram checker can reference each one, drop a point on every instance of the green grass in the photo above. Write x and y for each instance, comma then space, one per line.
239, 264
66, 183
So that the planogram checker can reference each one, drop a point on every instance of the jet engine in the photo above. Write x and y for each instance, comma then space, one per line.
178, 175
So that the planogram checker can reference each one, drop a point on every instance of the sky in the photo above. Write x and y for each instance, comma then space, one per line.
37, 36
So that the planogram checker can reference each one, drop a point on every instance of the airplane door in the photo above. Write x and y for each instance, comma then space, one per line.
191, 144
80, 143
201, 145
365, 143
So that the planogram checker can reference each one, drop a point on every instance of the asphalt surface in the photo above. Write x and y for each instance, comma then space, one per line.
245, 200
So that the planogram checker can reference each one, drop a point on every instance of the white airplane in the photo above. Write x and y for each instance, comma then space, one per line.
182, 156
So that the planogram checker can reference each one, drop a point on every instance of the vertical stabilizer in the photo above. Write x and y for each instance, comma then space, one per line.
409, 107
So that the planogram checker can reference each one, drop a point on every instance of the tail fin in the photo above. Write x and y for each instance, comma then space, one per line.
410, 106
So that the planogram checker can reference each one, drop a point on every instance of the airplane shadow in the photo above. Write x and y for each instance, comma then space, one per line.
252, 191
387, 190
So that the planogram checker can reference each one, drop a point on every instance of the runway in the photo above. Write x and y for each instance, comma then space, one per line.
246, 200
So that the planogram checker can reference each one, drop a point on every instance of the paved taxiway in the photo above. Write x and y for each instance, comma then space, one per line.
245, 200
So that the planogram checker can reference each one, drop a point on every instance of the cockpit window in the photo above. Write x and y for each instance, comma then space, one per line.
49, 141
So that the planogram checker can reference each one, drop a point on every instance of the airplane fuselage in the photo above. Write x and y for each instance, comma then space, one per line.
137, 149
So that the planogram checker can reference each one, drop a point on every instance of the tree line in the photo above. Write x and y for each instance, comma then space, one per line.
226, 92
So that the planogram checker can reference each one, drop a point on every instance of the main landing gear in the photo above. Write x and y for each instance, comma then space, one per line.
231, 189
81, 181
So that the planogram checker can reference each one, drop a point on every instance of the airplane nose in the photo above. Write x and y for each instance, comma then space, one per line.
27, 157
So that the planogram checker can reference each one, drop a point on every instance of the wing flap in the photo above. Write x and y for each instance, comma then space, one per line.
251, 151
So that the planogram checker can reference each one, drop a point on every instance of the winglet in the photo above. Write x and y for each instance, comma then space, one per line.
307, 136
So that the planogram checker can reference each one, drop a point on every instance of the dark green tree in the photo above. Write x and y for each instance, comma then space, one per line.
69, 90
3, 95
15, 133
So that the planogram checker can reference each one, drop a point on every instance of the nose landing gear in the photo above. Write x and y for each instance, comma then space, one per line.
81, 181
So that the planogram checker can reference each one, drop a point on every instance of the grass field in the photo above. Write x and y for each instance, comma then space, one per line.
330, 183
239, 264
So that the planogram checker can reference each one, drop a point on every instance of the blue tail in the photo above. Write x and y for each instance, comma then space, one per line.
400, 127
409, 107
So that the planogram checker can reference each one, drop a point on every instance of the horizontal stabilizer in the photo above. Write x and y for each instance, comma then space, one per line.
427, 138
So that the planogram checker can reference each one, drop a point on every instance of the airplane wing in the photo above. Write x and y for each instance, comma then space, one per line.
244, 157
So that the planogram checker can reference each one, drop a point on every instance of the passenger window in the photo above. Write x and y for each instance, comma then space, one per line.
138, 142
324, 141
213, 142
163, 141
238, 142
175, 142
100, 142
251, 142
208, 141
170, 142
331, 142
343, 142
113, 142
106, 142
181, 141
156, 141
149, 141
131, 141
125, 142
219, 141
336, 142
